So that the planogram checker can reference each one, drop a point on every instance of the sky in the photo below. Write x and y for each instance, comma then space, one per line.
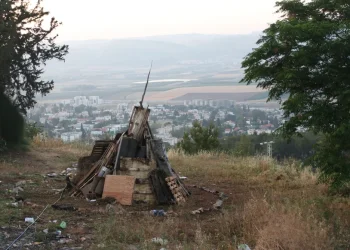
113, 19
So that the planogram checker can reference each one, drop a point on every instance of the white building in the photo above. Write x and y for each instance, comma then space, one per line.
104, 118
87, 101
71, 136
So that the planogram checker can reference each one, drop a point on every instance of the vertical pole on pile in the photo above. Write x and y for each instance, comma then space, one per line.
144, 92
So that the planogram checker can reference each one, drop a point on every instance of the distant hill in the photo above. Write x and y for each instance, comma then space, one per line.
163, 50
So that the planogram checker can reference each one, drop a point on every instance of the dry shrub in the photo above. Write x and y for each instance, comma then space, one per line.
290, 231
41, 142
276, 228
75, 148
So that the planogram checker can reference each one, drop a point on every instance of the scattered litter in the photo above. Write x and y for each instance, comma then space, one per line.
51, 175
158, 212
63, 225
69, 172
82, 239
65, 241
46, 230
66, 207
32, 204
20, 183
58, 232
29, 219
13, 204
198, 211
160, 241
16, 190
243, 247
218, 204
183, 178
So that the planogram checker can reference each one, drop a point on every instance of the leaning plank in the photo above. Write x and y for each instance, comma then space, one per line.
120, 187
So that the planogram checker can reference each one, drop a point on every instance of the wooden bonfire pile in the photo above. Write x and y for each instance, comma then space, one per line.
132, 168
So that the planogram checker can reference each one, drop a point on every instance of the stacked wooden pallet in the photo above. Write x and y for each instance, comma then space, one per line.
104, 161
176, 189
100, 147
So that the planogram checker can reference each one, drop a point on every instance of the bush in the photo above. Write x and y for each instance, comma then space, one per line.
3, 146
31, 130
11, 122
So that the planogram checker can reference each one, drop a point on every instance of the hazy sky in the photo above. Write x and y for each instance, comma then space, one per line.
107, 19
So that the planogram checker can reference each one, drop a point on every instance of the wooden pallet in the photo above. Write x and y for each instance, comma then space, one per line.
100, 147
175, 189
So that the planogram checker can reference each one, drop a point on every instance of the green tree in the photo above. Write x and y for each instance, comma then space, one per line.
306, 56
25, 46
79, 109
11, 123
83, 132
200, 138
244, 146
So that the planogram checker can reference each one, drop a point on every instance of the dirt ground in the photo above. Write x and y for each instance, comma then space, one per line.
28, 170
268, 205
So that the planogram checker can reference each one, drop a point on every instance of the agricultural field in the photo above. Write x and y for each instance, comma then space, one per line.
268, 205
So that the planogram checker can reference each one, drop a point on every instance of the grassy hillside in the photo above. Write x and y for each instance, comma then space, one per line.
270, 205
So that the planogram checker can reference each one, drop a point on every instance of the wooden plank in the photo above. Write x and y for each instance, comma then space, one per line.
119, 187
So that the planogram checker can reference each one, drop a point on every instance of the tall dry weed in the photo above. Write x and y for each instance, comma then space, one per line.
277, 227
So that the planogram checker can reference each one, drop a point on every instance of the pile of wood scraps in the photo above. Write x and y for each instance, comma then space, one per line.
132, 168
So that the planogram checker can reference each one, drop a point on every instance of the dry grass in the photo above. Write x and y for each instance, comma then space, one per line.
271, 206
78, 149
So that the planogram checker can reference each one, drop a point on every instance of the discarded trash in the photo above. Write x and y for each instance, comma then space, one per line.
160, 241
198, 211
64, 241
58, 232
20, 183
158, 212
14, 204
218, 204
51, 175
243, 247
67, 207
63, 225
16, 190
68, 172
183, 177
32, 204
46, 230
29, 219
